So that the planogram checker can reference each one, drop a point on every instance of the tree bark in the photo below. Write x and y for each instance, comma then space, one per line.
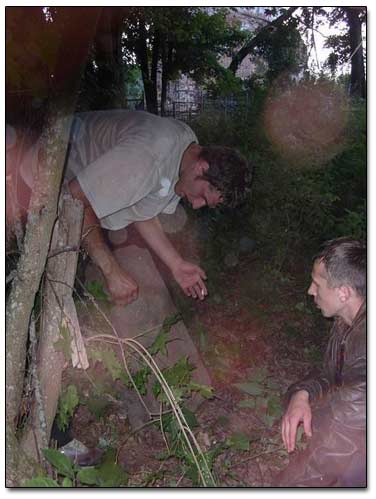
20, 466
108, 57
252, 43
57, 292
143, 61
154, 68
42, 209
165, 59
358, 79
41, 219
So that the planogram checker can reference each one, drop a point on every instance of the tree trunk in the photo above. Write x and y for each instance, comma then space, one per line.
42, 208
57, 292
154, 68
143, 61
358, 80
41, 219
108, 57
19, 466
165, 74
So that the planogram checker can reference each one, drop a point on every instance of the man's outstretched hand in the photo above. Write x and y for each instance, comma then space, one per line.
298, 411
190, 278
122, 287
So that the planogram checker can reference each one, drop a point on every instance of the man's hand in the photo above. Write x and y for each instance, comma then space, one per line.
190, 278
298, 411
122, 287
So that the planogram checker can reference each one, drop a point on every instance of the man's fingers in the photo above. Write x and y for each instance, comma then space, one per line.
292, 436
196, 292
201, 290
307, 426
285, 434
202, 274
283, 431
126, 299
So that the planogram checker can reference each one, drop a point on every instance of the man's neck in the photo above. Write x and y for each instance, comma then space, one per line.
190, 156
350, 312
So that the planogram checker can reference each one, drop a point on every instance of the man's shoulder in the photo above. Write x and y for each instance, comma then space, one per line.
357, 338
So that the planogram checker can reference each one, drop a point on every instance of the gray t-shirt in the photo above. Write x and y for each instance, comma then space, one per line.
127, 163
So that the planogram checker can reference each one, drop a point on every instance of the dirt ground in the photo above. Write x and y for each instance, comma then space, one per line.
243, 328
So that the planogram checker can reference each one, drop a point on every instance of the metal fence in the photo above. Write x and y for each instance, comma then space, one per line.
189, 110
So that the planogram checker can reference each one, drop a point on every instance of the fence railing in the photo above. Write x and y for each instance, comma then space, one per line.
188, 110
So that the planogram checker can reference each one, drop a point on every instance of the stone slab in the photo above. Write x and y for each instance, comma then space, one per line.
146, 315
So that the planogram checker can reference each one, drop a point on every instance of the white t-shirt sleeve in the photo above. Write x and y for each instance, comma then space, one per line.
117, 179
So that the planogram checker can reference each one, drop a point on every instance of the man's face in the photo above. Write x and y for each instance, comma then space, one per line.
326, 299
200, 193
196, 190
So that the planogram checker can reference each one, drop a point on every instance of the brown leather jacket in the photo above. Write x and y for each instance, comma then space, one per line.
336, 453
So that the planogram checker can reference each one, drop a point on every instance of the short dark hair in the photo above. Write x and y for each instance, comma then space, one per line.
345, 261
229, 172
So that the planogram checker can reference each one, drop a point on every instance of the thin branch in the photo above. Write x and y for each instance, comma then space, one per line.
63, 250
162, 429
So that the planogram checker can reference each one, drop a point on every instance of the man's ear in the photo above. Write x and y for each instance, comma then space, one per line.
345, 293
202, 166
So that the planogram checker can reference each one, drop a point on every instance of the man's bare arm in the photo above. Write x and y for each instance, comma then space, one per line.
189, 276
122, 287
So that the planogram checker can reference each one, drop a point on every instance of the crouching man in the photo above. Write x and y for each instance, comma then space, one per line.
332, 406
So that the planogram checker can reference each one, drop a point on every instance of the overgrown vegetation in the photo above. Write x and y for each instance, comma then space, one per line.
257, 258
293, 207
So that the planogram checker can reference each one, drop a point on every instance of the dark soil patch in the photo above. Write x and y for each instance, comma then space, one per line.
244, 326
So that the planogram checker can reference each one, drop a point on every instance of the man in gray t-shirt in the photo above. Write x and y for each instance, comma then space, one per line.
129, 166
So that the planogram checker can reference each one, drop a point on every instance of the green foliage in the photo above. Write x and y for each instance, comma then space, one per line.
354, 222
133, 79
62, 464
68, 402
283, 49
95, 288
178, 448
109, 360
159, 344
97, 404
238, 441
178, 378
179, 40
140, 379
106, 474
41, 481
67, 482
251, 388
293, 208
266, 397
192, 471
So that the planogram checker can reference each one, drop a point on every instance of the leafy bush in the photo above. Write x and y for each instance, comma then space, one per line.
293, 207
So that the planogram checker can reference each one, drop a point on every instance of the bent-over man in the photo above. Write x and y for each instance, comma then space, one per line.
129, 166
